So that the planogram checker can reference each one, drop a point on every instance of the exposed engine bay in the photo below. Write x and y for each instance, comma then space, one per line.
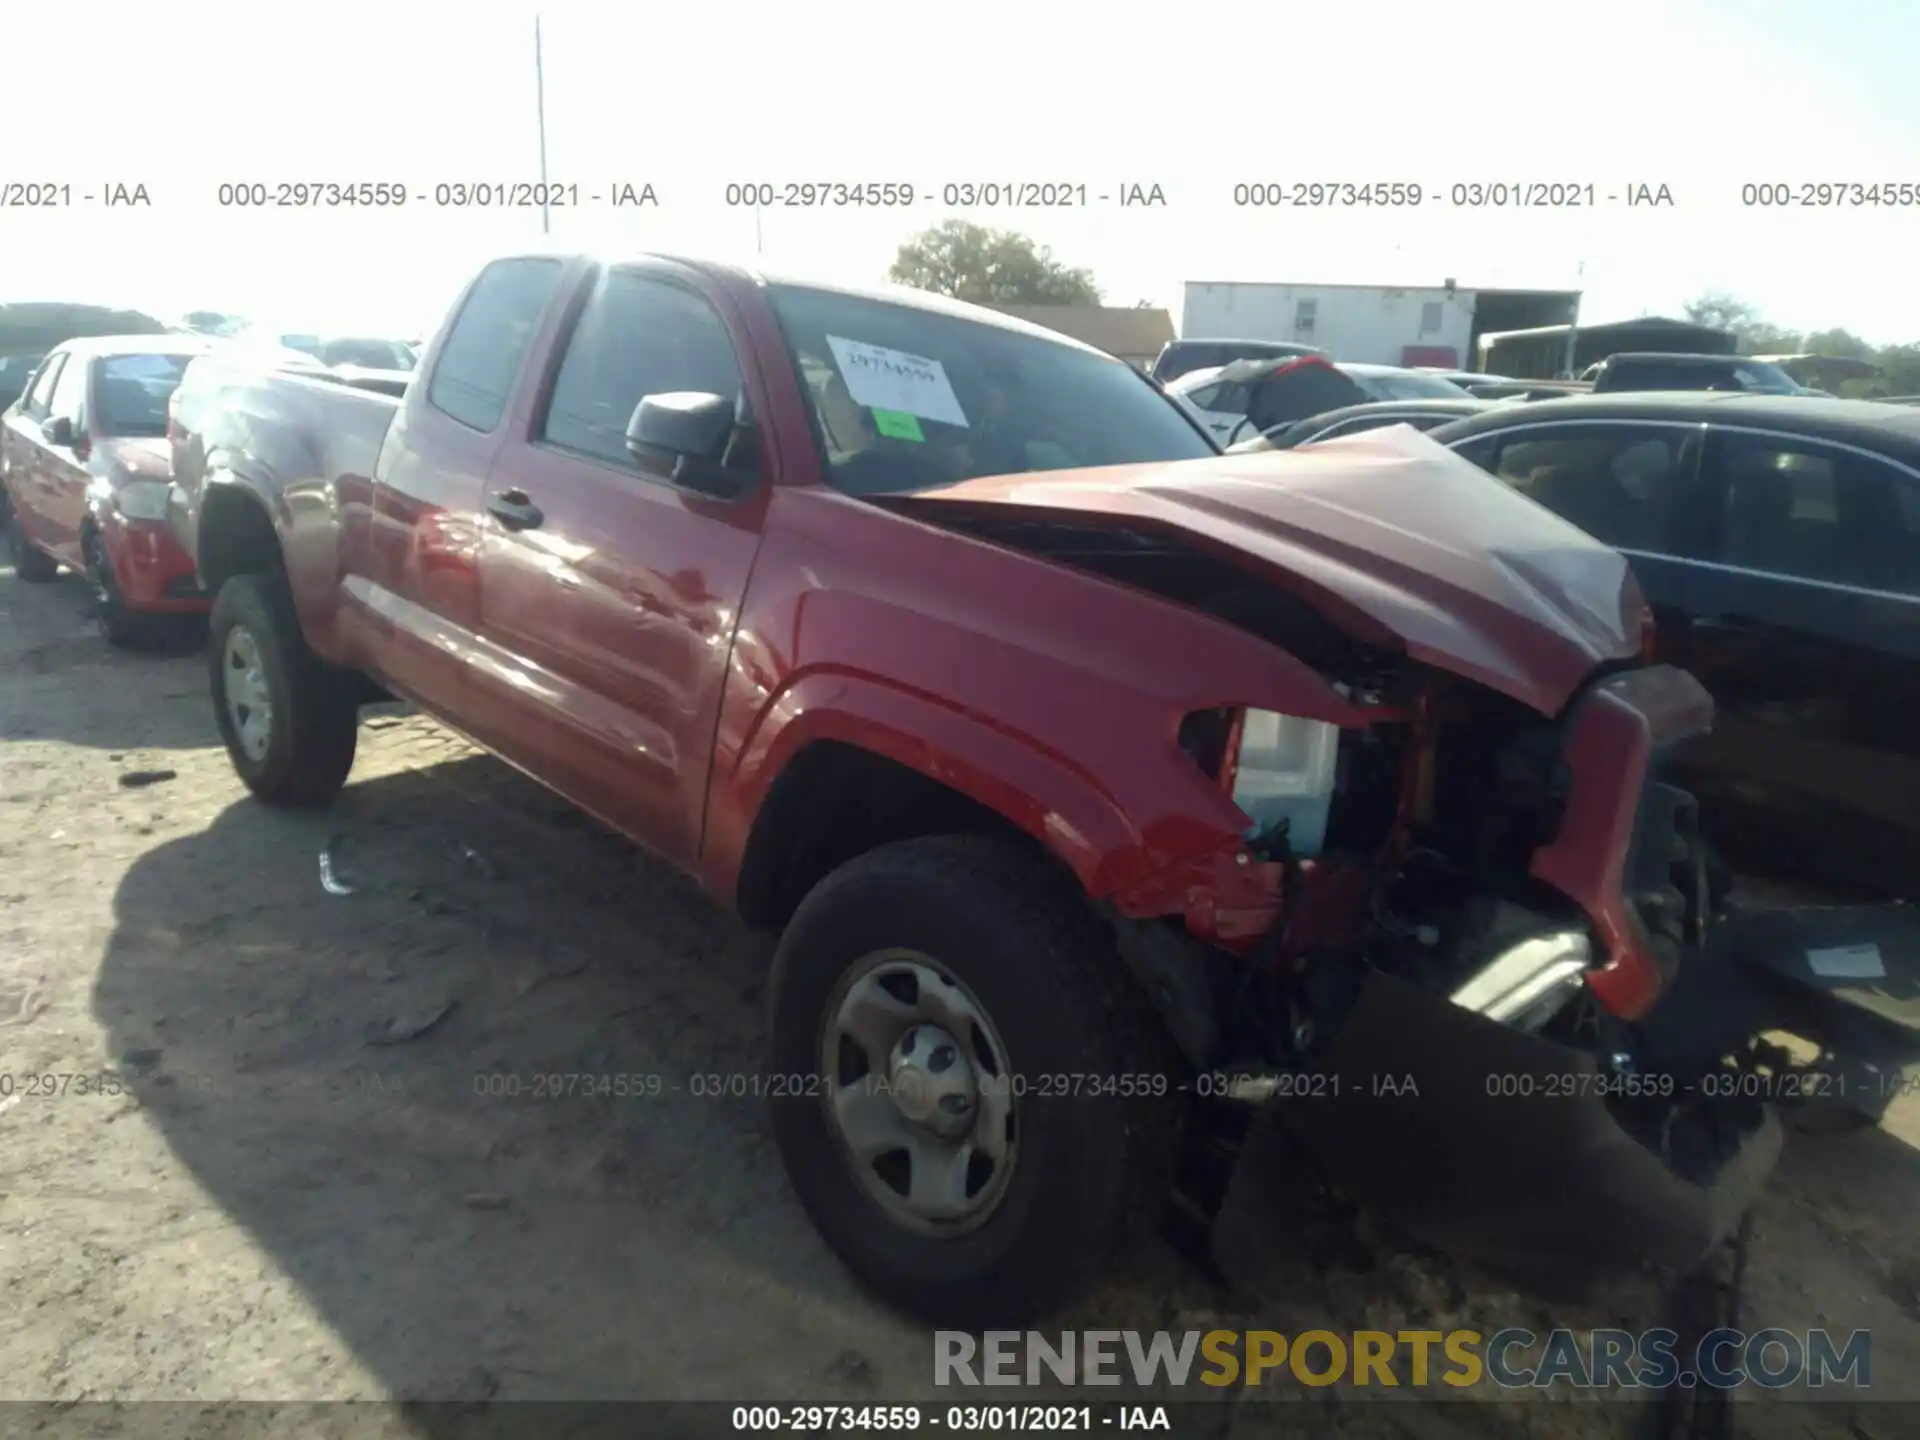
1425, 870
1455, 918
1422, 869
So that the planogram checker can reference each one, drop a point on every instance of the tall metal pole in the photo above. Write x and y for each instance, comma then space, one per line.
540, 104
1573, 324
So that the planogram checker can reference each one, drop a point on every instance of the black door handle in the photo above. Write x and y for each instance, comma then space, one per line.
514, 510
1726, 622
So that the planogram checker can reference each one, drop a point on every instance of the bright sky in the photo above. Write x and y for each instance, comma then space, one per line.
1700, 95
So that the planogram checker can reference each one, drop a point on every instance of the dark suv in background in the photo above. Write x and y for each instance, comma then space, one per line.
1183, 357
1656, 371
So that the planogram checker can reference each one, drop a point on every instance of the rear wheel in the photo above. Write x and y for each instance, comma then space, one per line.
30, 564
970, 1099
119, 625
290, 721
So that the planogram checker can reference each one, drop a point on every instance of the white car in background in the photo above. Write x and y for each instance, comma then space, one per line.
1219, 395
1211, 400
1395, 382
1465, 379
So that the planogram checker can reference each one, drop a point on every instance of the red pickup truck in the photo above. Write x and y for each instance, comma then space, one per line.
1095, 778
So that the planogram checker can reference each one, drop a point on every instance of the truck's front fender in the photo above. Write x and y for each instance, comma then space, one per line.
1046, 795
1052, 697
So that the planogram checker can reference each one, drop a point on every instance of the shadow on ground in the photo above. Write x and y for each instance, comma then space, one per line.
50, 646
409, 1095
491, 1111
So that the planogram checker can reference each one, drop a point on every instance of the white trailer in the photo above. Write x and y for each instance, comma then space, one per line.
1436, 325
1371, 324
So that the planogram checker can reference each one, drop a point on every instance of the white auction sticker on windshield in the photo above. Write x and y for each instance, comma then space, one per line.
883, 379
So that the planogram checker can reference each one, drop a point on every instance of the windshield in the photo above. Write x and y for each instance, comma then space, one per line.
368, 354
1758, 375
1409, 385
132, 391
1194, 380
909, 399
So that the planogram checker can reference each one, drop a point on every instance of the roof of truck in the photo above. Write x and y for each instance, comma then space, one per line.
906, 295
888, 294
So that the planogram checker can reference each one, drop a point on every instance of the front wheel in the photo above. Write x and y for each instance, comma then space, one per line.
970, 1100
30, 563
119, 625
290, 721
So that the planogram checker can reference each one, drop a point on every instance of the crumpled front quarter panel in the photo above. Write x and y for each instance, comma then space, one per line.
1392, 535
1052, 696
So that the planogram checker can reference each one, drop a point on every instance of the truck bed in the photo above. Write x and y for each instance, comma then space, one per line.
297, 436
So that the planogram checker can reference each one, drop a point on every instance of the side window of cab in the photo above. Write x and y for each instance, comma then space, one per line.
638, 335
486, 348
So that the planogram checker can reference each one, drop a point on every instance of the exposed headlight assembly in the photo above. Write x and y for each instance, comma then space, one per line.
1283, 773
143, 499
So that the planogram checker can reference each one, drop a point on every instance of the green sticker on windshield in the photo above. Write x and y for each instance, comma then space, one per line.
897, 424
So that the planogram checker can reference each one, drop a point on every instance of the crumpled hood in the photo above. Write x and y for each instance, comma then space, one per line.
1389, 534
136, 458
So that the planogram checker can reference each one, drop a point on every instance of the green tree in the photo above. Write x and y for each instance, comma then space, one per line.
212, 322
1899, 370
1761, 338
989, 267
1841, 343
1721, 311
35, 327
1899, 364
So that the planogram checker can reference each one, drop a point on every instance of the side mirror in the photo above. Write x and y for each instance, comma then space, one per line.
691, 437
58, 430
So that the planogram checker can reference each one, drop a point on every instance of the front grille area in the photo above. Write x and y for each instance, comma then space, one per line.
1665, 877
1620, 846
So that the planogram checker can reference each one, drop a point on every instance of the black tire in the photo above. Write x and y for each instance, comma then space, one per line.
1090, 1167
314, 721
1720, 878
119, 626
34, 566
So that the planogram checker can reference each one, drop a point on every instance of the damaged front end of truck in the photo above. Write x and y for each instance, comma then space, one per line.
1426, 962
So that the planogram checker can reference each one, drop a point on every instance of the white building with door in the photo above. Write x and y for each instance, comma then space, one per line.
1369, 324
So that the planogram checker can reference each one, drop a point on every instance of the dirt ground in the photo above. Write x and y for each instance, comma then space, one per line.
301, 1192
